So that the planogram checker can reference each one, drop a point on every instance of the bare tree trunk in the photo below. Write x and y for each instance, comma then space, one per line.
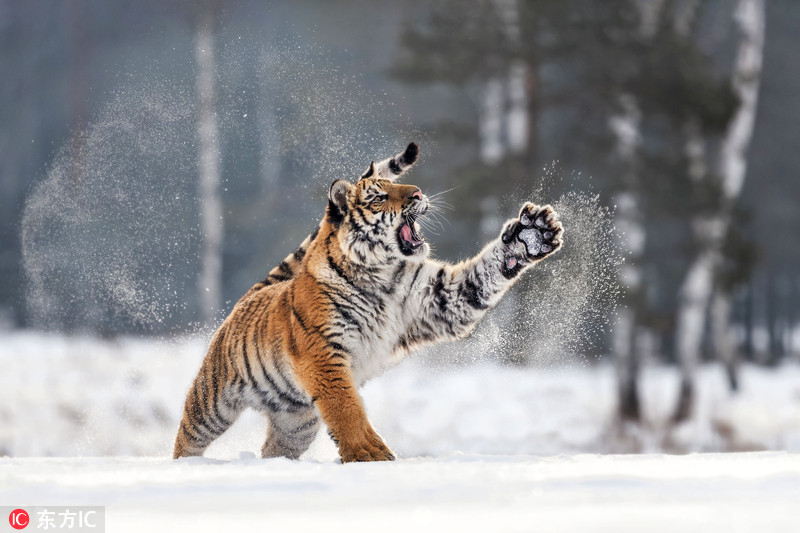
724, 347
507, 104
774, 325
78, 311
211, 220
521, 119
628, 221
491, 121
749, 322
518, 123
794, 324
697, 287
627, 365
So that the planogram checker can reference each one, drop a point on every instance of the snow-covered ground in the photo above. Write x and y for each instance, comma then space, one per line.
726, 493
84, 397
482, 448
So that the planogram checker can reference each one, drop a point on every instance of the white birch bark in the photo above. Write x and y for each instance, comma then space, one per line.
517, 115
628, 221
267, 125
746, 79
491, 121
722, 337
505, 117
211, 221
697, 288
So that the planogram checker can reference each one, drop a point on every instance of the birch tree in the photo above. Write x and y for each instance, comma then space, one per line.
698, 285
628, 221
211, 219
505, 123
626, 125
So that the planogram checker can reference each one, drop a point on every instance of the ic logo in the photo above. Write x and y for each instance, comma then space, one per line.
19, 519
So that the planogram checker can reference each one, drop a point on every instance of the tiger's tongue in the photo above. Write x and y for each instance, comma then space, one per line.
405, 232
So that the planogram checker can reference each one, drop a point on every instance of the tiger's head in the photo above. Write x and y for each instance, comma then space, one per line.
375, 219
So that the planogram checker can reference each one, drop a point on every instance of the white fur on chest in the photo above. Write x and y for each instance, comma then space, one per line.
374, 346
375, 351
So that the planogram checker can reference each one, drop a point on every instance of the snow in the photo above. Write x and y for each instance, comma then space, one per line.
481, 447
458, 492
62, 396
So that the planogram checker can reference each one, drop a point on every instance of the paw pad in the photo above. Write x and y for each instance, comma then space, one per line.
537, 228
533, 240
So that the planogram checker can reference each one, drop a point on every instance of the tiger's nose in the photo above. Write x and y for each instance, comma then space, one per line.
417, 194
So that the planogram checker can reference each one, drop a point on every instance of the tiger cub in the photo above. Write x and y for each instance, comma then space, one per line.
358, 296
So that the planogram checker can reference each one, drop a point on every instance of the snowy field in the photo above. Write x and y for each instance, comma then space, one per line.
482, 448
83, 397
730, 493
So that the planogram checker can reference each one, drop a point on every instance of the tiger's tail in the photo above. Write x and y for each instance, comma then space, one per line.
289, 267
393, 167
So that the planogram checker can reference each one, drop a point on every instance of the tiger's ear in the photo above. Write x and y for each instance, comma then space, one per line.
337, 201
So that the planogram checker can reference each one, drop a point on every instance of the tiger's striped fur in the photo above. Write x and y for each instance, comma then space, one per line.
356, 298
390, 169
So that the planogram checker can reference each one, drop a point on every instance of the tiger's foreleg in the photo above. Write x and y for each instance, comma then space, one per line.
328, 379
459, 296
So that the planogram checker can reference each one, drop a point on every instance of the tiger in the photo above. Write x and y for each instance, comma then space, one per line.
358, 296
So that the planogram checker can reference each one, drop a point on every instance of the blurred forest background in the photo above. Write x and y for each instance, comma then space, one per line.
159, 157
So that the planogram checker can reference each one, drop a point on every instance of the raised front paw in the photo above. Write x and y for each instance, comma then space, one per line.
369, 448
537, 228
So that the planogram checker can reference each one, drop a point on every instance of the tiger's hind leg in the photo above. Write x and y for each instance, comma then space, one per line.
209, 411
289, 434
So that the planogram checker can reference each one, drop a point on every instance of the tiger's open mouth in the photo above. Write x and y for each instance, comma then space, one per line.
408, 237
